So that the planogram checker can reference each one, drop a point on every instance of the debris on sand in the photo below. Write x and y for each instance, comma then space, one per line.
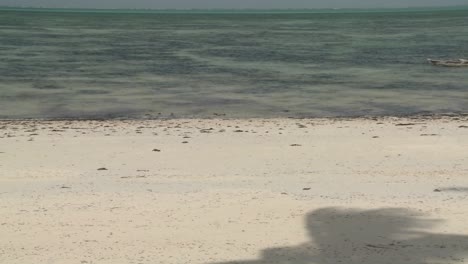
405, 124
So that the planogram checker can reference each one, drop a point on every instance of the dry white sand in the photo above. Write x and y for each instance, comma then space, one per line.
293, 191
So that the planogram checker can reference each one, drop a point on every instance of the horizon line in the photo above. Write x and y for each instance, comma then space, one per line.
422, 8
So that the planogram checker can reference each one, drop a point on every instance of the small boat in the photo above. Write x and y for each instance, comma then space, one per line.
449, 63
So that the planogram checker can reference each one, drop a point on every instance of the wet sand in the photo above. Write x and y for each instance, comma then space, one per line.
364, 190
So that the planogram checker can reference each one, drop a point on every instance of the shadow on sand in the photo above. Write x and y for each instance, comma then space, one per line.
393, 236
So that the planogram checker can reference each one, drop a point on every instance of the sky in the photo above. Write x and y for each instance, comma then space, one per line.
230, 4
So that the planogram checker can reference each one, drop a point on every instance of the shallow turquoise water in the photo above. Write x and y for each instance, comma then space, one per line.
111, 64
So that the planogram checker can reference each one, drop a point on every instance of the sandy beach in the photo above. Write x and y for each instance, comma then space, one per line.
252, 191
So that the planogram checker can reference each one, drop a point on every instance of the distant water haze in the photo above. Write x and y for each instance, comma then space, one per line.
101, 65
208, 4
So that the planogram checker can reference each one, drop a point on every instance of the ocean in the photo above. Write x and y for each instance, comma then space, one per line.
129, 64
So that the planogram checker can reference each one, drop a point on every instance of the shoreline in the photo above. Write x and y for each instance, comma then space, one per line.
248, 191
216, 116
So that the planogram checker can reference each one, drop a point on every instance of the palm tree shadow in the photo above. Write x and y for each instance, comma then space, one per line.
349, 236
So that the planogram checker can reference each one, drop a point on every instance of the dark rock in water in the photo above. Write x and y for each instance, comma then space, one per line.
306, 189
156, 150
102, 169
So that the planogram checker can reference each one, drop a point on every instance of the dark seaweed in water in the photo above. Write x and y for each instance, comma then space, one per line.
46, 85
